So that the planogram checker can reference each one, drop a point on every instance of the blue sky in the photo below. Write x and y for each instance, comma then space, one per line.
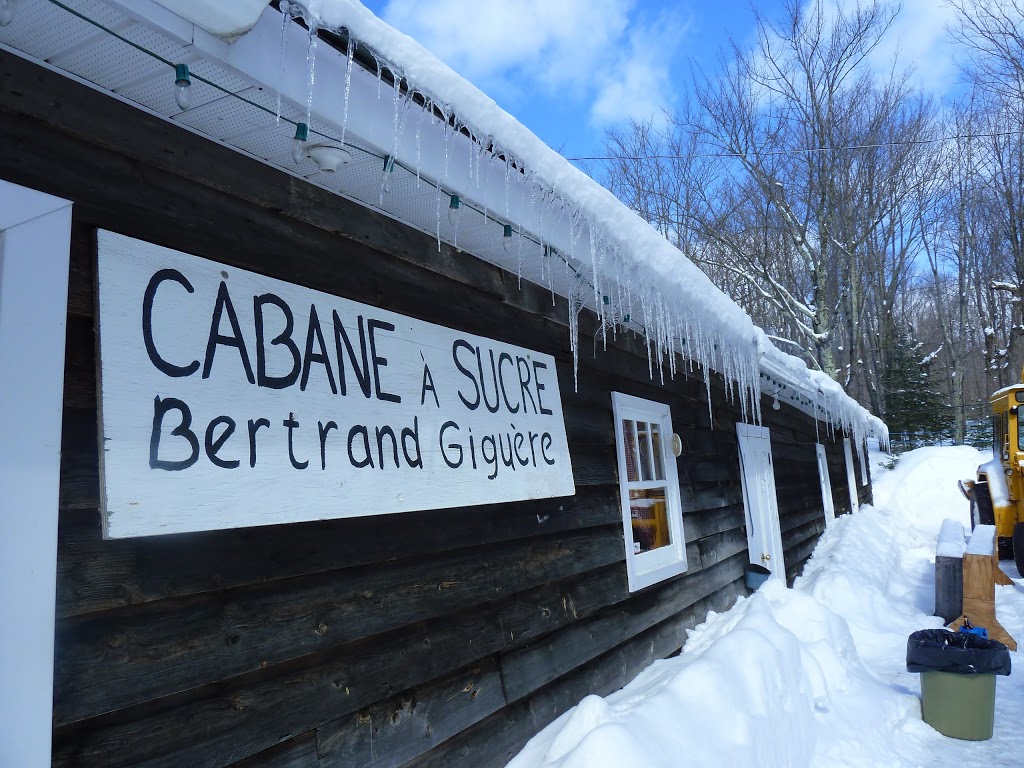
569, 69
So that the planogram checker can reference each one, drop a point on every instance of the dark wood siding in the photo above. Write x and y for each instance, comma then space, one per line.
436, 637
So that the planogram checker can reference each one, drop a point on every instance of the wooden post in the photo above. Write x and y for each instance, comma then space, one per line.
949, 571
981, 574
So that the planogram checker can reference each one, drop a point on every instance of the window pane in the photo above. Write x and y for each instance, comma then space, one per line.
659, 453
629, 446
648, 514
643, 439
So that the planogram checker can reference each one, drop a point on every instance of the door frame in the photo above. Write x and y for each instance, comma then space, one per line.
827, 502
35, 241
851, 475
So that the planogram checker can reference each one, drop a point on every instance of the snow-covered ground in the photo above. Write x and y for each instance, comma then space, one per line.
814, 675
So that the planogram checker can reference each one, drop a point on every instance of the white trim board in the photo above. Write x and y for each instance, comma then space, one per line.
35, 237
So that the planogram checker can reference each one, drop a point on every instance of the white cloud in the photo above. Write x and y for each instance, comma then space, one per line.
638, 82
599, 53
918, 40
541, 39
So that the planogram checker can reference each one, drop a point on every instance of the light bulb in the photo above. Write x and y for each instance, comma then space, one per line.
182, 86
453, 210
389, 167
7, 10
299, 142
506, 238
775, 403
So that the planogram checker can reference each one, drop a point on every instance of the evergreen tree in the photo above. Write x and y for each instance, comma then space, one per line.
913, 402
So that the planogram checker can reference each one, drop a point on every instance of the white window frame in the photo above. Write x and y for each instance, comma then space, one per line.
647, 568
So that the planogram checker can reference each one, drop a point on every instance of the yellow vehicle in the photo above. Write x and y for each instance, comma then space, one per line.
997, 496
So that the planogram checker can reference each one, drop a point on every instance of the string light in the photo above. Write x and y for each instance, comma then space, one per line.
453, 210
7, 11
300, 147
506, 238
299, 142
182, 86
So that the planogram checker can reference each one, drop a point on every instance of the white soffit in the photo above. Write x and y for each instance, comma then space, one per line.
242, 114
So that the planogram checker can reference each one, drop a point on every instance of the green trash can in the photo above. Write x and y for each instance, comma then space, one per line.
959, 706
958, 680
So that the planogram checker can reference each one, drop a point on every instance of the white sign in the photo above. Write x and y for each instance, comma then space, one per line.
232, 399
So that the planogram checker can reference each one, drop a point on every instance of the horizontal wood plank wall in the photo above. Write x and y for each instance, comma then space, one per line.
438, 637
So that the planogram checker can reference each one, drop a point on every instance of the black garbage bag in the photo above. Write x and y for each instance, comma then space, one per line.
939, 650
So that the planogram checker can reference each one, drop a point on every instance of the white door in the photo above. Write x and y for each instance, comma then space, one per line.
35, 234
764, 537
851, 477
826, 484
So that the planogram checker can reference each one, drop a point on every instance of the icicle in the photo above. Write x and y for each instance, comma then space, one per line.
647, 337
598, 300
487, 156
401, 112
551, 277
508, 181
286, 17
427, 107
447, 139
380, 74
483, 159
575, 306
519, 258
348, 84
387, 179
311, 67
437, 213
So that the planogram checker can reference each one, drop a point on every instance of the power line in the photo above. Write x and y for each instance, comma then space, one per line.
806, 150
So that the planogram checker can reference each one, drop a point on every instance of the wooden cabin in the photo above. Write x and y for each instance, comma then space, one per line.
280, 529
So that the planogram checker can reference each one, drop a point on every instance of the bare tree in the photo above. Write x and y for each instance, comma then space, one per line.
830, 201
831, 160
993, 30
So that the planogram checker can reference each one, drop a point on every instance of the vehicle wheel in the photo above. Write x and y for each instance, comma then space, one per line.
981, 506
1004, 547
1018, 547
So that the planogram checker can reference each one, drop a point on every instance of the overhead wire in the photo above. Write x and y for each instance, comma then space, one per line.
548, 250
803, 150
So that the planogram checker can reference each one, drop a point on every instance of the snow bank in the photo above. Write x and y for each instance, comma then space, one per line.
748, 694
681, 309
809, 676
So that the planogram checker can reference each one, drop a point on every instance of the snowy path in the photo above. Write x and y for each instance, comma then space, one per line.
815, 675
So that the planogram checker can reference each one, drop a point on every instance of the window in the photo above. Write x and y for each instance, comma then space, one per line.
652, 516
1000, 429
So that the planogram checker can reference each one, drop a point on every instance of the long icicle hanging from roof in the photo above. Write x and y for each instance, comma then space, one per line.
663, 296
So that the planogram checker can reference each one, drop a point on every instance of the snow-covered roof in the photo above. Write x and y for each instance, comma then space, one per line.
417, 132
678, 307
1005, 391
